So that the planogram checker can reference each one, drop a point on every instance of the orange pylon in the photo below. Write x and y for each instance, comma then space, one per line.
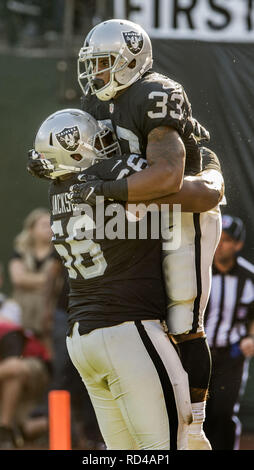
59, 420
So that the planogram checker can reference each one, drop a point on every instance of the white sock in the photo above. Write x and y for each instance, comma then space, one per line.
198, 413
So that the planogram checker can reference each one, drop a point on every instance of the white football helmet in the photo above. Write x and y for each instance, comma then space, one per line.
72, 140
127, 51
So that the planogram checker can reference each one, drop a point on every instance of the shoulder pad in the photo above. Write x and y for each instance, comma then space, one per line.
162, 80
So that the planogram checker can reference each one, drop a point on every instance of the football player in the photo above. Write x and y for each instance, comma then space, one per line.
187, 275
115, 338
63, 158
151, 115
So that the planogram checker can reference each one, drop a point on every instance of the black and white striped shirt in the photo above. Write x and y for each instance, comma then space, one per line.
231, 304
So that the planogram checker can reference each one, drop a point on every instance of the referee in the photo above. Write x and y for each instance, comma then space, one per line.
229, 326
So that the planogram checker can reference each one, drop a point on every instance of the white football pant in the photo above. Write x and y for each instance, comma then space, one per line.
187, 271
137, 385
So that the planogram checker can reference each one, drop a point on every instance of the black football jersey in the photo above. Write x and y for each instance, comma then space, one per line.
154, 100
111, 280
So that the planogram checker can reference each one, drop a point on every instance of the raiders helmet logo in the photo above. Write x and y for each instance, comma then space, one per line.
134, 41
69, 138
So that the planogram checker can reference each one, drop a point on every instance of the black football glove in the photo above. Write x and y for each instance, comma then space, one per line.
86, 191
37, 166
92, 186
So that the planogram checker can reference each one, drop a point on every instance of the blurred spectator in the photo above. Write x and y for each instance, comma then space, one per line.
40, 287
229, 326
8, 307
24, 377
29, 270
59, 321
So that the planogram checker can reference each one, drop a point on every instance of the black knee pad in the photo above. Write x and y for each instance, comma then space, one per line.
196, 359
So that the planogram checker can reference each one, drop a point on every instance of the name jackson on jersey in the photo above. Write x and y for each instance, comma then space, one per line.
61, 204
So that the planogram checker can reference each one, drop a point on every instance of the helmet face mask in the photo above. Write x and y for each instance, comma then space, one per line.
72, 140
91, 65
105, 143
127, 49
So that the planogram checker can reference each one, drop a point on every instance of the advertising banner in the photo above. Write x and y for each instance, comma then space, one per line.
209, 20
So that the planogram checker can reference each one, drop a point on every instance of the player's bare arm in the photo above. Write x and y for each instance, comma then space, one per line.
202, 192
166, 158
198, 193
